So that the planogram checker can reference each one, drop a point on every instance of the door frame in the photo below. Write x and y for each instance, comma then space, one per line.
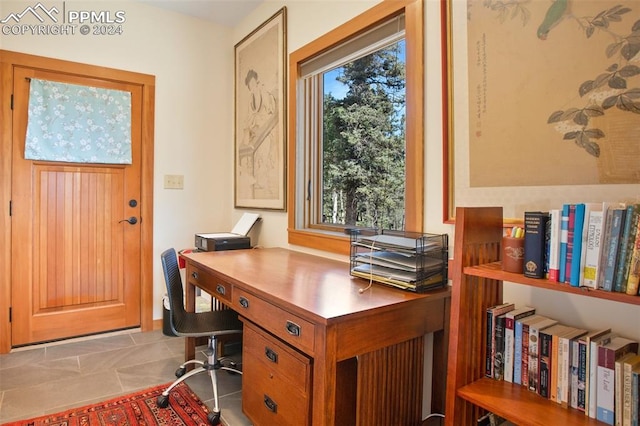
8, 60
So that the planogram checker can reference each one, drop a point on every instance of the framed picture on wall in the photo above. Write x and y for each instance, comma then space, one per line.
260, 116
546, 99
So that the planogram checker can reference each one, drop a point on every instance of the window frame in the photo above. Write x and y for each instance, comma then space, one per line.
322, 237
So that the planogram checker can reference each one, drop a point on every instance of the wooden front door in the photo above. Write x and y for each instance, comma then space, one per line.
76, 260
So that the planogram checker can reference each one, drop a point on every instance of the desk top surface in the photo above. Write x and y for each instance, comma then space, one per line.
303, 282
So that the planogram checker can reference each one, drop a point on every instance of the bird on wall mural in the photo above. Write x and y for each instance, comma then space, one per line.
618, 86
558, 10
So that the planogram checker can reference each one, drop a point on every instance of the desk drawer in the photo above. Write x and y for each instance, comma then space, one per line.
204, 280
288, 327
276, 388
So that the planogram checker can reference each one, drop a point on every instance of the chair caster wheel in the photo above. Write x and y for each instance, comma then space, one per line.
214, 418
180, 371
234, 366
163, 401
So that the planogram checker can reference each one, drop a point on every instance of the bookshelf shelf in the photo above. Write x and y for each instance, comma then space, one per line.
478, 283
521, 406
494, 271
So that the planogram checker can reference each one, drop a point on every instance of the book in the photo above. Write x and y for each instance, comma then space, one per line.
592, 380
579, 368
546, 383
584, 366
576, 262
555, 223
635, 396
591, 268
498, 360
534, 352
564, 237
627, 395
492, 313
535, 224
509, 338
612, 249
626, 247
570, 228
633, 273
521, 361
605, 394
588, 208
567, 365
618, 385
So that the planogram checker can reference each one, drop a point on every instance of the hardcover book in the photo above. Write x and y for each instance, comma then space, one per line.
627, 395
618, 381
492, 314
605, 394
564, 238
584, 367
592, 251
612, 249
576, 262
535, 224
546, 384
534, 351
555, 223
498, 360
635, 395
627, 240
568, 365
592, 378
509, 338
633, 280
571, 226
521, 355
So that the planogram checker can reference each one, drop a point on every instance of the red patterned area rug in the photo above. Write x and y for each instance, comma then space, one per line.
140, 408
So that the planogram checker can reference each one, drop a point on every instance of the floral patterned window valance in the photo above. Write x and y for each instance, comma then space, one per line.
78, 124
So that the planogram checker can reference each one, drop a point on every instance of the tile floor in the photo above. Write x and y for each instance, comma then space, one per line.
51, 378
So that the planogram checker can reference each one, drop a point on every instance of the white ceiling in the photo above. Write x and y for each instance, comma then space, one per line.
223, 12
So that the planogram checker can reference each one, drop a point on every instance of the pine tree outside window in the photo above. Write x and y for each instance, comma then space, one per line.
356, 155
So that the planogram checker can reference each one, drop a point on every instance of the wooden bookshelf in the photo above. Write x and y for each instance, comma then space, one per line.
521, 406
477, 283
494, 271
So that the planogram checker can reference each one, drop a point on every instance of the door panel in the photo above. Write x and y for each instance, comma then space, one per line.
76, 263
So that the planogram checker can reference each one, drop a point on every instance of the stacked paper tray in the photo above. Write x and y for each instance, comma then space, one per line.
410, 261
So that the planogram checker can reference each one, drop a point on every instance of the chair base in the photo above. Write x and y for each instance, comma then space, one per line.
211, 366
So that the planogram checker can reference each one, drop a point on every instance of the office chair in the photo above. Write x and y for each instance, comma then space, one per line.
196, 324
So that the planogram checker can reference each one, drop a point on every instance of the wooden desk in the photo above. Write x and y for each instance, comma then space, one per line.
365, 351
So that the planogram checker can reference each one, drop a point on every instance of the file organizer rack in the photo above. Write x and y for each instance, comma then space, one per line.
407, 260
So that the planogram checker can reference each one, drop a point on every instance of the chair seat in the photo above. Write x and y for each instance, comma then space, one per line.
214, 323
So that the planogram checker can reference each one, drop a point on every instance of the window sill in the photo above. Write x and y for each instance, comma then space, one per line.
330, 242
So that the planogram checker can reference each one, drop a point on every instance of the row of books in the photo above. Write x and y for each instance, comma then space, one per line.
594, 371
595, 245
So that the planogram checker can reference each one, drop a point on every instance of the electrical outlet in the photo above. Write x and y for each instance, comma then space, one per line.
173, 181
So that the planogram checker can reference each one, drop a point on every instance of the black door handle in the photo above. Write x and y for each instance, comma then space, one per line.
132, 220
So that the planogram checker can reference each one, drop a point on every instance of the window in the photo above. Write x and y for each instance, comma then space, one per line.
356, 114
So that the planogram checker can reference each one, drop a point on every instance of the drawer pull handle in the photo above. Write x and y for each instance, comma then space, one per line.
270, 404
271, 354
244, 302
293, 328
194, 275
220, 289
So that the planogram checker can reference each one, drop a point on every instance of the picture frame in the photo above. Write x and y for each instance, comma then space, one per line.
465, 43
260, 139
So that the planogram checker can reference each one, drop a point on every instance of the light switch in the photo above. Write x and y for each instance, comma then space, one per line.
173, 181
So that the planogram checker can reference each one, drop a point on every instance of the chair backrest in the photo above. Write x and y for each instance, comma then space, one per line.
174, 288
